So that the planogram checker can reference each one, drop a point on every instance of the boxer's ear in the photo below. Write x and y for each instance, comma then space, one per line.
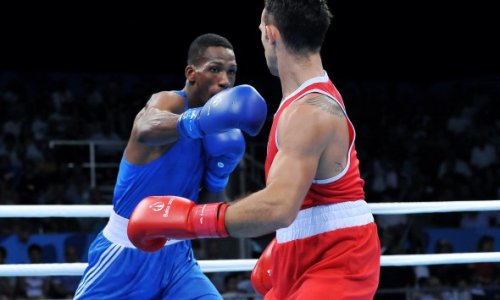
272, 33
190, 74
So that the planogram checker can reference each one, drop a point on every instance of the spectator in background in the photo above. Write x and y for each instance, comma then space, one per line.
431, 289
34, 287
231, 289
12, 126
452, 274
65, 286
12, 149
39, 128
485, 273
483, 154
10, 176
7, 284
458, 123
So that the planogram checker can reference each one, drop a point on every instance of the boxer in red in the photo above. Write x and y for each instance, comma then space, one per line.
326, 246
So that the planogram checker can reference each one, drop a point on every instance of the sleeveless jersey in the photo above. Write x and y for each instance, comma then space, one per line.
331, 250
116, 269
348, 184
178, 171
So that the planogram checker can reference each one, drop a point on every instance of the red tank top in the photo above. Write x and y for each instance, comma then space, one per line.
348, 184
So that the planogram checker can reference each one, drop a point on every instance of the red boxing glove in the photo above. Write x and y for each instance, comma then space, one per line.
159, 218
261, 273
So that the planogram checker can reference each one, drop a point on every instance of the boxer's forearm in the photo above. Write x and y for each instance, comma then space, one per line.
156, 127
260, 213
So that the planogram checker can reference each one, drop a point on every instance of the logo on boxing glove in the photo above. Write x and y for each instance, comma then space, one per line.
157, 206
167, 210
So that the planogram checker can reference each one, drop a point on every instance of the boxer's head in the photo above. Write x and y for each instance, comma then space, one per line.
211, 65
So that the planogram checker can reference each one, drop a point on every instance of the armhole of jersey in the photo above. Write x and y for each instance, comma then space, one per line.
344, 171
184, 97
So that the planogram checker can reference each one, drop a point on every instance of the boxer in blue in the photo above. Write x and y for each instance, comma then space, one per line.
174, 150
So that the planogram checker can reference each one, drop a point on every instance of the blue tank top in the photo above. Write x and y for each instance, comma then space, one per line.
177, 172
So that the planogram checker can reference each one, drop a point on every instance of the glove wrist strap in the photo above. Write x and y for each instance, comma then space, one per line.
209, 220
187, 124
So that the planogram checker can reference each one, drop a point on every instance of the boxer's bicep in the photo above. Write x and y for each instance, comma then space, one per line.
302, 137
154, 127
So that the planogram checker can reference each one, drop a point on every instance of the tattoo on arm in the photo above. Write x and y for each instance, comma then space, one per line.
328, 105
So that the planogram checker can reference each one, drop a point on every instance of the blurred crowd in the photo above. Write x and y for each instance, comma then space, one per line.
417, 141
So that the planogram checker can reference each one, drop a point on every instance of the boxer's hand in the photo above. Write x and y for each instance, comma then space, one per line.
159, 218
224, 152
261, 273
239, 107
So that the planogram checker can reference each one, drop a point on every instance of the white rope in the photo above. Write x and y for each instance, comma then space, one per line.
439, 259
235, 265
99, 211
76, 269
395, 208
61, 211
93, 211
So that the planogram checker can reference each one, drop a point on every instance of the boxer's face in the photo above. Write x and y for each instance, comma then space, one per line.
217, 71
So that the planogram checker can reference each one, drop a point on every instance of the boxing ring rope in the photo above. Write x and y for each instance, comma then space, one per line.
388, 208
237, 265
93, 211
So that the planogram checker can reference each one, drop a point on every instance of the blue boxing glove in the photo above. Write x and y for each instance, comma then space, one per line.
239, 107
224, 152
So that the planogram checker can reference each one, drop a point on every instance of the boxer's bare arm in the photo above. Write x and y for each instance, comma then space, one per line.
294, 167
155, 128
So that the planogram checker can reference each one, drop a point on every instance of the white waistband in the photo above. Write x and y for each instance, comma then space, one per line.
319, 219
116, 231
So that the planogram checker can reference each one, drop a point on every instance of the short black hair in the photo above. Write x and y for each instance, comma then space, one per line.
303, 24
202, 42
